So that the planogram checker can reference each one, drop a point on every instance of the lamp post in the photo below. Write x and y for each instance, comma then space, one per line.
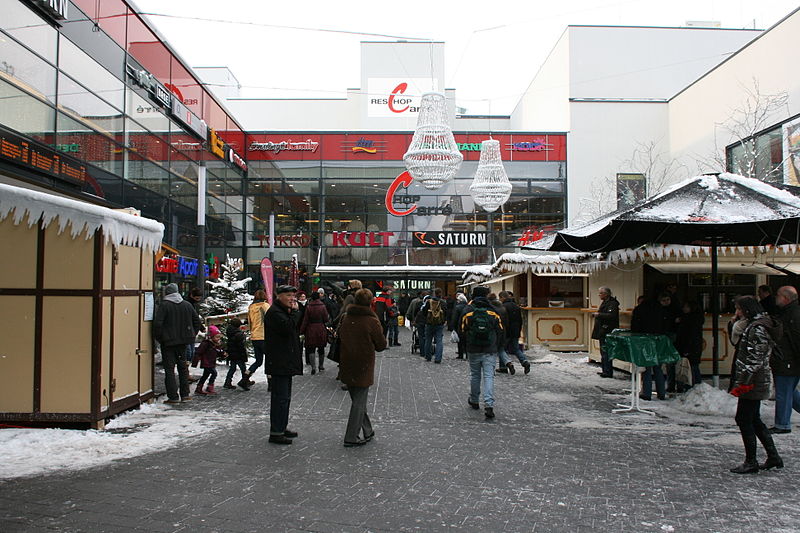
201, 227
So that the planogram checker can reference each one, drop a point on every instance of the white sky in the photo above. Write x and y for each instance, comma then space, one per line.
493, 49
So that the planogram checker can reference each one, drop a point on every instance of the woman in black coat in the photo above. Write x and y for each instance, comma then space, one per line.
750, 382
689, 337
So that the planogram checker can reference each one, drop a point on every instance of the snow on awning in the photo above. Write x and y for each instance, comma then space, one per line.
118, 227
723, 268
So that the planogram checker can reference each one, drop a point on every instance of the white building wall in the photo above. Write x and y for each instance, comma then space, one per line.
697, 114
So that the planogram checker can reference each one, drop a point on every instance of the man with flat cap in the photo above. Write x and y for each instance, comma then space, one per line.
283, 359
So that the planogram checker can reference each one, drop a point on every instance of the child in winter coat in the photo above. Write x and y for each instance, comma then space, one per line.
237, 354
208, 352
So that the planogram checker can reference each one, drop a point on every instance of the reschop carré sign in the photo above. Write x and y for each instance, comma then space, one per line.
396, 97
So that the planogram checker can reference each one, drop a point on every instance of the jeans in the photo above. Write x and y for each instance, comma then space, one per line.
175, 356
503, 357
481, 365
280, 399
258, 350
393, 333
606, 363
359, 419
787, 397
647, 382
189, 352
421, 339
512, 347
432, 333
210, 374
232, 370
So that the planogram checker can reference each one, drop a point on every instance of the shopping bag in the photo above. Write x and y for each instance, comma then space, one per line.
683, 371
454, 337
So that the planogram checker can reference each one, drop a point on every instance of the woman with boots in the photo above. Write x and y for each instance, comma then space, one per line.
750, 382
255, 320
208, 352
237, 354
315, 330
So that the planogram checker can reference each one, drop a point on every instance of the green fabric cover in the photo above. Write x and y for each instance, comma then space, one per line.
641, 349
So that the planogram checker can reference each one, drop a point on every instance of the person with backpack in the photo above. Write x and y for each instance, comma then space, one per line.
482, 328
434, 326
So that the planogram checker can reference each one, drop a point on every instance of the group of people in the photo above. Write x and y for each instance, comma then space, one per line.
765, 334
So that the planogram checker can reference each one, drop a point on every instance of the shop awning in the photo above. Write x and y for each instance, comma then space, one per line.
789, 268
387, 271
688, 267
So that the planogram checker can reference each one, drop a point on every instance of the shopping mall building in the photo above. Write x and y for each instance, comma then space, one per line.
98, 106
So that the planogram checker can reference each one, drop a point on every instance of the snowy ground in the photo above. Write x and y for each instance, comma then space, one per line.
707, 411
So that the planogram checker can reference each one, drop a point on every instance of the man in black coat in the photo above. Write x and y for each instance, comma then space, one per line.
514, 331
786, 366
606, 320
283, 359
175, 326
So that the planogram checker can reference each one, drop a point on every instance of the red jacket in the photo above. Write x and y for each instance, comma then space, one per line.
207, 353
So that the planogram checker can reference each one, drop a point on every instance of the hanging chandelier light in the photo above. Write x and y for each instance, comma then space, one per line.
490, 189
433, 157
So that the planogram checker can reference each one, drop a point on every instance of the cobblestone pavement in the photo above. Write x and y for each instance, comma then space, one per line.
555, 459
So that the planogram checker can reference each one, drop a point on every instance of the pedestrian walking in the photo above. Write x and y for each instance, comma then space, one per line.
283, 360
237, 354
175, 325
434, 314
606, 320
195, 298
785, 363
750, 382
255, 319
392, 328
482, 328
505, 366
361, 335
455, 320
207, 355
382, 304
314, 328
514, 313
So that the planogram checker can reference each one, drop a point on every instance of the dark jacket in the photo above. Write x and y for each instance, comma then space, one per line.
176, 323
770, 306
652, 317
751, 363
330, 307
235, 345
514, 313
361, 335
382, 305
689, 336
466, 324
283, 353
455, 316
501, 311
787, 362
314, 324
207, 354
607, 319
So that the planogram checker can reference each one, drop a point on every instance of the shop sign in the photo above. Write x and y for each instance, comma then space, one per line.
530, 146
533, 234
185, 266
396, 97
469, 147
54, 9
363, 146
284, 146
413, 284
189, 120
404, 180
361, 239
224, 151
147, 81
73, 148
448, 239
187, 147
286, 241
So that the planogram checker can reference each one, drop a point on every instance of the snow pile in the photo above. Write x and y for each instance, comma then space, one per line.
703, 399
118, 227
152, 428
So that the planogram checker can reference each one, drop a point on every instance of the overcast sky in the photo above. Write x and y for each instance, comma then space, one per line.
493, 48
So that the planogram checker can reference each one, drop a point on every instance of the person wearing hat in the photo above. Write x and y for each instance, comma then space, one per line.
175, 325
283, 359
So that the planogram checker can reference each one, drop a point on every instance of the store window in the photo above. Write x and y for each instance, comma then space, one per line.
147, 174
26, 114
81, 141
80, 66
760, 157
77, 101
29, 29
26, 69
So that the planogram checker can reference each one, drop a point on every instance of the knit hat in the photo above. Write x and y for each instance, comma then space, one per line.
213, 331
171, 288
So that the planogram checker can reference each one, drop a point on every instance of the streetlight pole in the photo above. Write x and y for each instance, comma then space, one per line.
201, 227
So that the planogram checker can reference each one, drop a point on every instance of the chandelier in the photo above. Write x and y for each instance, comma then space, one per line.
433, 157
490, 189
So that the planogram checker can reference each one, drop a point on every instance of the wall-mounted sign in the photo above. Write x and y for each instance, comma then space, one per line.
186, 266
281, 146
448, 239
412, 284
157, 91
404, 180
224, 151
189, 120
631, 189
361, 239
469, 147
71, 148
364, 146
286, 241
533, 234
396, 97
54, 9
530, 146
21, 152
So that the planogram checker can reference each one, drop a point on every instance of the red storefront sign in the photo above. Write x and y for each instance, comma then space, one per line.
361, 239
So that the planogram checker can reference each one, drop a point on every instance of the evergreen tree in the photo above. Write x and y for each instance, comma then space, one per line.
228, 294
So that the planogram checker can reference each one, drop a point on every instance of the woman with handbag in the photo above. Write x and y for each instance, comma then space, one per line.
360, 335
315, 331
750, 382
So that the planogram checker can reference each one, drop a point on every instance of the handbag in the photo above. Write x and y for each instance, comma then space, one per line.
334, 354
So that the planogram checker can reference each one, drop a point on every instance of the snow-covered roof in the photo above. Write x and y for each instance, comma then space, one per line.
118, 227
543, 262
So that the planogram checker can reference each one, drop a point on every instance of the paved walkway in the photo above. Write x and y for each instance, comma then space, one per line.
555, 459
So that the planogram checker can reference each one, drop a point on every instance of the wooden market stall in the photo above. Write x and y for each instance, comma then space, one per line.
76, 306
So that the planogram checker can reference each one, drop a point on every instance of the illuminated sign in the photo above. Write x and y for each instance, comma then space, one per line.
289, 146
185, 266
364, 145
396, 97
73, 148
215, 144
533, 234
448, 239
27, 154
530, 146
286, 241
469, 147
361, 239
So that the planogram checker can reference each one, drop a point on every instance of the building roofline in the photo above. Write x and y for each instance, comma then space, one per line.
634, 27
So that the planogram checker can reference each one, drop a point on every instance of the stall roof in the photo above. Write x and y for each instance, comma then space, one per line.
723, 268
118, 227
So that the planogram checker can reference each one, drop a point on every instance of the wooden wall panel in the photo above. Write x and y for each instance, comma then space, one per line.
68, 263
19, 273
127, 268
126, 341
17, 328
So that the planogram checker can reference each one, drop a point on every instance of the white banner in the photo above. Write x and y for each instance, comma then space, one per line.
396, 97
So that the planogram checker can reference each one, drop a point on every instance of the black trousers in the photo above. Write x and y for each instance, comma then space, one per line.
280, 399
748, 417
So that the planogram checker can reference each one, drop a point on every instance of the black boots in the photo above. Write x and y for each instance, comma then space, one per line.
245, 381
750, 465
773, 459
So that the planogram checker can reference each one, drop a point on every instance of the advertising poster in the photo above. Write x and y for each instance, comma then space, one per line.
791, 153
268, 278
631, 189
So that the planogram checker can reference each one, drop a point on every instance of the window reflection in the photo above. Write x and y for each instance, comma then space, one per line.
75, 100
29, 29
80, 66
26, 69
26, 114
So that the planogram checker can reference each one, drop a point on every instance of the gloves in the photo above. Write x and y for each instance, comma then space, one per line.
742, 389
